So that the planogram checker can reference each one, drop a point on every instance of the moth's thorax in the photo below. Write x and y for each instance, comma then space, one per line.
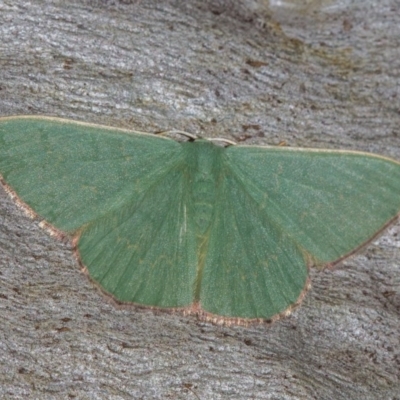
203, 172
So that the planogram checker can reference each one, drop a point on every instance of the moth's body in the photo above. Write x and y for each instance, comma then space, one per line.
204, 163
226, 233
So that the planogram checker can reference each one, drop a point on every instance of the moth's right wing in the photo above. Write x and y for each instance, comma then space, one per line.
329, 202
280, 210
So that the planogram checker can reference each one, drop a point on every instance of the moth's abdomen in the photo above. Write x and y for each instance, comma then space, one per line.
203, 160
204, 197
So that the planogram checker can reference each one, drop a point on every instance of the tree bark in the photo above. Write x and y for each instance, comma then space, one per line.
326, 75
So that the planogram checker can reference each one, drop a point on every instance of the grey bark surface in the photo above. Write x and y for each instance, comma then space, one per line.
326, 75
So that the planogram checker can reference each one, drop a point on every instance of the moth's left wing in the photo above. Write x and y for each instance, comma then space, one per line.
121, 194
71, 173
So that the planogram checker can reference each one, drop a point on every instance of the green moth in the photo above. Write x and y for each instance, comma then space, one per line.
226, 233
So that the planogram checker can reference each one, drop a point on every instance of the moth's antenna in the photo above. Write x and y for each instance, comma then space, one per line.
194, 137
187, 134
222, 140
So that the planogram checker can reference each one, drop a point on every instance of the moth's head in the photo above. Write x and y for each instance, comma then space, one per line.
191, 138
219, 142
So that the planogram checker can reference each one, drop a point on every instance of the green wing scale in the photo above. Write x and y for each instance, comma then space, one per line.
224, 233
330, 202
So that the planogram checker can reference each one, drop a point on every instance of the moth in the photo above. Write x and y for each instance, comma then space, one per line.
226, 233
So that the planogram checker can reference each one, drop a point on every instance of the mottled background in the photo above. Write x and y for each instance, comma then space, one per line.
316, 74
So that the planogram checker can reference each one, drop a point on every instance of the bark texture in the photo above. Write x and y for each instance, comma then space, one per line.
324, 75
